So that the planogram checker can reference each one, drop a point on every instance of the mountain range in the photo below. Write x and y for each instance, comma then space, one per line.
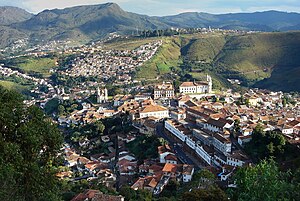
95, 21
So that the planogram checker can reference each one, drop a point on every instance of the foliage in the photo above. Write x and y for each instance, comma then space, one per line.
144, 147
265, 182
213, 193
51, 106
266, 144
132, 195
29, 144
170, 189
35, 66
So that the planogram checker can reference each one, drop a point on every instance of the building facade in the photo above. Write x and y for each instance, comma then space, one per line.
165, 90
196, 87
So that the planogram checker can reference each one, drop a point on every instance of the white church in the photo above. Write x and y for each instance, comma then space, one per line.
203, 87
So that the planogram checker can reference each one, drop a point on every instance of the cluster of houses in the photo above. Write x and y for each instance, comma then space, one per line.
155, 175
117, 64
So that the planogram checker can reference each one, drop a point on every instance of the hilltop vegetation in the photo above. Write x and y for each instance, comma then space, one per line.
265, 60
92, 22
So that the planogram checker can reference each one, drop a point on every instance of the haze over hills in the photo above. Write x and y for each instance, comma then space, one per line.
93, 22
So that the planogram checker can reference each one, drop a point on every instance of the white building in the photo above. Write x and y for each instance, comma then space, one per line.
205, 153
196, 87
165, 90
156, 111
102, 95
221, 143
174, 128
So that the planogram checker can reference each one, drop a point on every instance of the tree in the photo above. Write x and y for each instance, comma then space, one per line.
213, 193
29, 144
128, 193
262, 182
170, 189
266, 144
100, 127
61, 110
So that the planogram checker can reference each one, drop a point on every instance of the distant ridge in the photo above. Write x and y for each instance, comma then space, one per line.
10, 15
95, 21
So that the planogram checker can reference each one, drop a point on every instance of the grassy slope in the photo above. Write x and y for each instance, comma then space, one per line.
204, 48
254, 57
267, 60
168, 56
128, 44
12, 86
39, 65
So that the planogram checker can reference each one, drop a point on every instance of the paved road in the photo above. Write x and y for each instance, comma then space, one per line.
178, 149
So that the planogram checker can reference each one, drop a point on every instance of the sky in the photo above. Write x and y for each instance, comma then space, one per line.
165, 7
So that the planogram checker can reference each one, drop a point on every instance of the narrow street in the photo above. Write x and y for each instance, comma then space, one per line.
182, 156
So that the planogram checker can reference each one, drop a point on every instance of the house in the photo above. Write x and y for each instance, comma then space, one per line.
221, 143
237, 159
196, 87
156, 169
156, 111
165, 90
171, 158
242, 140
178, 114
127, 167
187, 172
205, 153
177, 129
218, 125
181, 172
96, 195
148, 183
164, 151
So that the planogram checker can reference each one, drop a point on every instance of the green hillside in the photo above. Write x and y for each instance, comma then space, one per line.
252, 58
265, 60
32, 64
168, 57
12, 86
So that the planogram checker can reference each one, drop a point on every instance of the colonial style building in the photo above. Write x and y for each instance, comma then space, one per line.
196, 87
165, 90
102, 95
156, 111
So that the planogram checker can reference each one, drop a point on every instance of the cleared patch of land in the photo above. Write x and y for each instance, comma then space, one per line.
167, 57
12, 86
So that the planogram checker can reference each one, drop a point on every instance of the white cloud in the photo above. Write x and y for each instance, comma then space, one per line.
166, 7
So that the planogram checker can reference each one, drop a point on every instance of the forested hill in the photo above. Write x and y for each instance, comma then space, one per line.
90, 22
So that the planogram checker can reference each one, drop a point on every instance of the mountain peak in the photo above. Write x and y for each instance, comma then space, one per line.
10, 15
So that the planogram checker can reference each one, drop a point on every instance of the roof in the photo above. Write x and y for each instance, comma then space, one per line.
171, 157
88, 194
193, 84
170, 168
155, 168
104, 197
153, 108
163, 149
187, 169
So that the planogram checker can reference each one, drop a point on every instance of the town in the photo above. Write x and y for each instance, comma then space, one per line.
188, 129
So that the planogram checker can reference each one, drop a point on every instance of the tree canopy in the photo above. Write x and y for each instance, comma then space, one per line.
29, 144
265, 144
265, 182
